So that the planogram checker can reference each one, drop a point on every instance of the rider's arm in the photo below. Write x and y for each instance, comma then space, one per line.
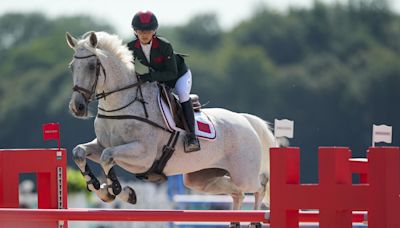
165, 68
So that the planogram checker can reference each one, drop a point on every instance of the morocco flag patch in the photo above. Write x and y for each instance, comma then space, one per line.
204, 127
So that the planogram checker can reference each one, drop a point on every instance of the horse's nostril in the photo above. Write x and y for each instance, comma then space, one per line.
81, 107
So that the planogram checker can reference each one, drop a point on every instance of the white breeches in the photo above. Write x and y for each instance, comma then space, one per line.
183, 86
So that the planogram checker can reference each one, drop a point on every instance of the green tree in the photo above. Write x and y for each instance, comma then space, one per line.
202, 31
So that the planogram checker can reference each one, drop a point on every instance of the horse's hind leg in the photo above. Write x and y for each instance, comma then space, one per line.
260, 194
258, 198
215, 181
91, 150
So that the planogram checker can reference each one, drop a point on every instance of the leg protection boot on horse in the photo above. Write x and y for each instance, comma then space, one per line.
191, 141
93, 180
115, 186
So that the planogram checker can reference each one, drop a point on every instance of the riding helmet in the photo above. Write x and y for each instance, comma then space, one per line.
144, 20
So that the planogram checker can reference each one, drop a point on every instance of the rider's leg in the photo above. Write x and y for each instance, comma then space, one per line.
182, 88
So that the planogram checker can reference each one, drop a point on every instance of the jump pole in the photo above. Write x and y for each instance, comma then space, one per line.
50, 166
75, 214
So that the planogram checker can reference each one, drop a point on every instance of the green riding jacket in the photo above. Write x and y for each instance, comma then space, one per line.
165, 66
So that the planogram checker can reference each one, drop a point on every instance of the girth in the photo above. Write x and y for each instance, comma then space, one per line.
155, 173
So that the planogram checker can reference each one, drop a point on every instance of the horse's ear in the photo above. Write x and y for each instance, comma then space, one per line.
93, 39
71, 41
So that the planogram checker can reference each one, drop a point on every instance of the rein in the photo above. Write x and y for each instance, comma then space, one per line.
123, 117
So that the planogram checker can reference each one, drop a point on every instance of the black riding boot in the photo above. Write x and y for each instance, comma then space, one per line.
191, 141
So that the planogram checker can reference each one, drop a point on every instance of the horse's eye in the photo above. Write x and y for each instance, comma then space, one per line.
91, 67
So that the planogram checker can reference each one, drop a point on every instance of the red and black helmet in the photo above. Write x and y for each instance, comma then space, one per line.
144, 20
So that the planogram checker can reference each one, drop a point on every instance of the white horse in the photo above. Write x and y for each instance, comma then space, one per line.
236, 162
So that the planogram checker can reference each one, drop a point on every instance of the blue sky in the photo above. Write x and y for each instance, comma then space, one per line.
169, 12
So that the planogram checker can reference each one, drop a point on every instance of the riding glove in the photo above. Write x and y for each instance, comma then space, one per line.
140, 68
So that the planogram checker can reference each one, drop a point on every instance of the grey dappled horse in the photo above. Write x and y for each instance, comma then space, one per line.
237, 162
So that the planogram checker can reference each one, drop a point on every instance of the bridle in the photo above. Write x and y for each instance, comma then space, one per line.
89, 95
86, 93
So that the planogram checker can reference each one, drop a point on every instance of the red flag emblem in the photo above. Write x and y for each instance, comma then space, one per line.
51, 131
203, 127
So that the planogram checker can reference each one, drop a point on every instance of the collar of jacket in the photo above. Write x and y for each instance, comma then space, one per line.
155, 43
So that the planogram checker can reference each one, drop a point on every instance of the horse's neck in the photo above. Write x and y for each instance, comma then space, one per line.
117, 76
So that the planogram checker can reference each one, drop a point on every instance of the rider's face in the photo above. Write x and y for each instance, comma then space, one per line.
145, 36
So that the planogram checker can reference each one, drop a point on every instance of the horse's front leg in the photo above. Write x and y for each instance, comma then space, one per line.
131, 157
91, 150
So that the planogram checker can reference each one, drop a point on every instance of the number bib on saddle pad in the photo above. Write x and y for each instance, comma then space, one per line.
204, 127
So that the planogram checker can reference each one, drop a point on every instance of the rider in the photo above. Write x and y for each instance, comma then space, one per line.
163, 66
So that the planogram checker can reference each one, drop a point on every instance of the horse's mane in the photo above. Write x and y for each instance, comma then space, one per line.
113, 44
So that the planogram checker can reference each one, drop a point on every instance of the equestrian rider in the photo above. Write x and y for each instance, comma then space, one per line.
162, 65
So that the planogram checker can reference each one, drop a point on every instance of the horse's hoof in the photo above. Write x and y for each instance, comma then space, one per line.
127, 195
132, 195
255, 225
234, 225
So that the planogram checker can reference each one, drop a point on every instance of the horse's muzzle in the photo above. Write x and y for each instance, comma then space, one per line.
78, 105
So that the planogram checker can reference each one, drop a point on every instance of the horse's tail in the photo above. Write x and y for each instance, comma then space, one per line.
268, 140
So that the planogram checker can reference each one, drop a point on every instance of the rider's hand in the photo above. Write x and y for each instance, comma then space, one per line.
141, 68
145, 77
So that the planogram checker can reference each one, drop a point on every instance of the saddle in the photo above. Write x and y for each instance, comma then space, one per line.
175, 107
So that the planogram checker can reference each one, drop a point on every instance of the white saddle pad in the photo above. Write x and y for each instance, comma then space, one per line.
204, 127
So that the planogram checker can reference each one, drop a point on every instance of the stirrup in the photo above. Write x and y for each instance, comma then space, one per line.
191, 143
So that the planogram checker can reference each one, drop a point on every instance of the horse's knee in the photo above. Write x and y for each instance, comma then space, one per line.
79, 155
106, 157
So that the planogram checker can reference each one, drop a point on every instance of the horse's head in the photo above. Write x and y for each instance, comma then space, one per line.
85, 68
